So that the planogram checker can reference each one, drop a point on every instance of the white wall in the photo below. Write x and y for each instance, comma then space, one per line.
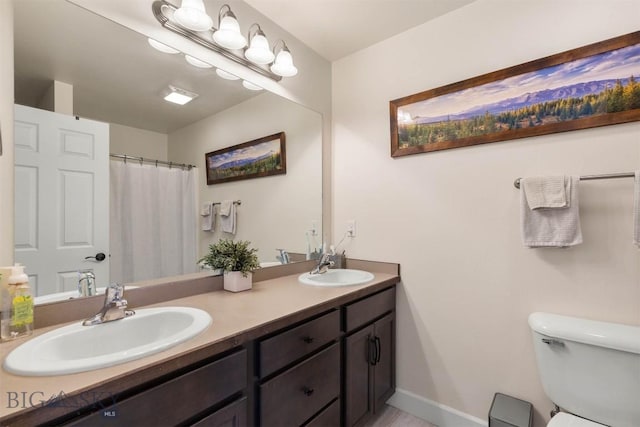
138, 142
6, 127
451, 218
276, 210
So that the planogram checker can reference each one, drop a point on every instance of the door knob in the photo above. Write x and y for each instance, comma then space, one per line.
100, 256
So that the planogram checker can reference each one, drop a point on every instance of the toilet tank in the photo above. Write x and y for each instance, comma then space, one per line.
589, 368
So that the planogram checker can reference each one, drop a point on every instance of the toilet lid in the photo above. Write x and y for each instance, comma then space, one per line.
562, 419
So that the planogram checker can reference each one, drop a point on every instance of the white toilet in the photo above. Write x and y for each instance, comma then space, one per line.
590, 369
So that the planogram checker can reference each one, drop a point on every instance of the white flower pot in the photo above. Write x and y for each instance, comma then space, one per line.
234, 281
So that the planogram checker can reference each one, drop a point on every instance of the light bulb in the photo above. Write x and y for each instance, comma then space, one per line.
259, 51
192, 15
196, 62
283, 65
161, 46
250, 85
226, 75
228, 35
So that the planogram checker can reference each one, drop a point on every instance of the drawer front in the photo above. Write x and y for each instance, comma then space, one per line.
297, 394
362, 312
178, 399
233, 415
329, 417
286, 347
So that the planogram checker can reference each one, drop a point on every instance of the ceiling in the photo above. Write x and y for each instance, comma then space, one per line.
118, 78
337, 28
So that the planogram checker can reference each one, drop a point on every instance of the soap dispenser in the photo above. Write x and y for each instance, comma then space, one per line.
17, 310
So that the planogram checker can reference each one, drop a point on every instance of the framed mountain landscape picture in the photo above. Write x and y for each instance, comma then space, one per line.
261, 157
595, 85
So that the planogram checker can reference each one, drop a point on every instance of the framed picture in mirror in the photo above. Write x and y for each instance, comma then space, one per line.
260, 157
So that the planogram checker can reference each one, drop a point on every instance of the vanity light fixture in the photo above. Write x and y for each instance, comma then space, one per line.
193, 16
228, 34
196, 62
180, 96
226, 40
283, 65
258, 51
250, 86
226, 75
162, 47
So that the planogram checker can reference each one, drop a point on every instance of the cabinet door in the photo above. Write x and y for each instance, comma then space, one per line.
233, 415
384, 367
358, 378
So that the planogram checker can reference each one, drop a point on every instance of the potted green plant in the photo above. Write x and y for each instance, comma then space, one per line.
236, 259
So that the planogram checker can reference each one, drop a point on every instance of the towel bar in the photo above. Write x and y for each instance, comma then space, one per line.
516, 183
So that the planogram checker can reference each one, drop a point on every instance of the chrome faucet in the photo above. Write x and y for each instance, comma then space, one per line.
115, 307
86, 283
283, 257
323, 264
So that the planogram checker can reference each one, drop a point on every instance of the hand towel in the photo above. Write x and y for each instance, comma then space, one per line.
228, 216
225, 207
208, 216
552, 227
636, 209
547, 191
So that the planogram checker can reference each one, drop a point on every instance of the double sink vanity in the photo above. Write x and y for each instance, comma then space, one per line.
295, 350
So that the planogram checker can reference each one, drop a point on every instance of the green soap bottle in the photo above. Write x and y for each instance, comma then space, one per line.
19, 323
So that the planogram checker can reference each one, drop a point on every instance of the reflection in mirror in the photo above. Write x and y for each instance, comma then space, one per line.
110, 74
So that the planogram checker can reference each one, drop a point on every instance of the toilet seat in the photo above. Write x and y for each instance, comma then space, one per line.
562, 419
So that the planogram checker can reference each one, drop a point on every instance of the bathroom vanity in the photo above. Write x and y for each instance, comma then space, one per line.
281, 354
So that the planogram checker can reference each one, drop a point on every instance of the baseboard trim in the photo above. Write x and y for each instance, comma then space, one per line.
433, 412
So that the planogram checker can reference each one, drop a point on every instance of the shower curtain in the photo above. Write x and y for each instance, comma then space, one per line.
152, 221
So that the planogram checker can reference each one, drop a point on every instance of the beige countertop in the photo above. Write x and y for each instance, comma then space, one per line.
236, 319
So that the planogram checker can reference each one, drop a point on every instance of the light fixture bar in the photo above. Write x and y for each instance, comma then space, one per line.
157, 7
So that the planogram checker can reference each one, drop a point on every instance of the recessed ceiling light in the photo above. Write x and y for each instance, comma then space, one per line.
161, 46
180, 96
250, 85
196, 62
226, 75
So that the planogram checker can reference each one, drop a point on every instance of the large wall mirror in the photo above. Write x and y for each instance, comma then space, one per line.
116, 78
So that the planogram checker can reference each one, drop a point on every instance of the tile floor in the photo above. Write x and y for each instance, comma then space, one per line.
393, 417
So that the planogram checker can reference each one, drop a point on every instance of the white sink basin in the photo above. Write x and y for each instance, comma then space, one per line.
337, 277
77, 348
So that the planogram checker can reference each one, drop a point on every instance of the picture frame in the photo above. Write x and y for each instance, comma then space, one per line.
577, 89
260, 157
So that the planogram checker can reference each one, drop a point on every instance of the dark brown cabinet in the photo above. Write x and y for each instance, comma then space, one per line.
300, 373
369, 357
233, 415
177, 401
292, 398
333, 368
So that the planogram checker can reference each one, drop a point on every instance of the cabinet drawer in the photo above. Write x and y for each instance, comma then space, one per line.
294, 396
362, 312
329, 417
178, 399
233, 415
286, 347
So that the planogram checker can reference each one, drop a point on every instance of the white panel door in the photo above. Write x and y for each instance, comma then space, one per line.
62, 198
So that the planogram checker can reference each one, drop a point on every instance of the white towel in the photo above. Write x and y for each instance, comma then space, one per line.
228, 216
208, 216
225, 207
553, 227
636, 209
547, 191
